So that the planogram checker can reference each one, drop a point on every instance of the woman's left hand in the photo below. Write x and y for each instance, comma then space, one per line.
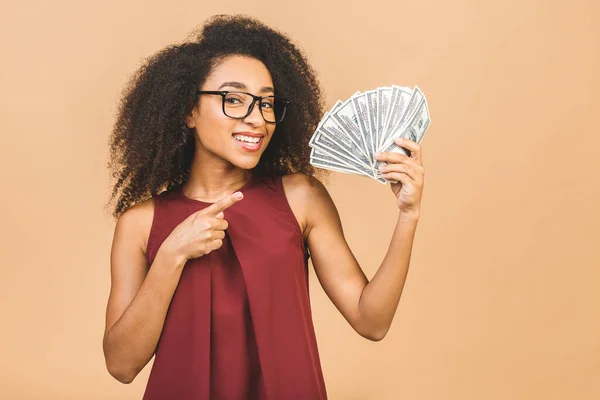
409, 173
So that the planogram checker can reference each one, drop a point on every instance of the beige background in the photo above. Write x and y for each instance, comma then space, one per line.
502, 297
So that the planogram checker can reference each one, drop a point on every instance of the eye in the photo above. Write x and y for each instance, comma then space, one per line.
233, 100
267, 103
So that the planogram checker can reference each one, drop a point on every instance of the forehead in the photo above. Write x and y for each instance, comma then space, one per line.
250, 71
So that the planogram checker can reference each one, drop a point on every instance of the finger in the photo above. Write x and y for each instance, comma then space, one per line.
206, 223
211, 224
224, 203
402, 168
220, 224
399, 177
415, 148
214, 245
220, 215
217, 235
392, 157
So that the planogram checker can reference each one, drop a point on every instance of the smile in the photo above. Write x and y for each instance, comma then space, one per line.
248, 139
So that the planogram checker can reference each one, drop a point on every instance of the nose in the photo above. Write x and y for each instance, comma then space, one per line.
255, 117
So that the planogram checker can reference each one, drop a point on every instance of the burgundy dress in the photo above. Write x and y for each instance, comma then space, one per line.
239, 325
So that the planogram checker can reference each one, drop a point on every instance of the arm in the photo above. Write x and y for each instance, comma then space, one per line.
139, 297
381, 296
369, 307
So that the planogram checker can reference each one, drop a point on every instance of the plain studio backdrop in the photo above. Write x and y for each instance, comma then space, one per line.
502, 299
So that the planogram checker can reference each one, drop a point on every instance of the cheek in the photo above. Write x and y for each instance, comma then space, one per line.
271, 130
214, 128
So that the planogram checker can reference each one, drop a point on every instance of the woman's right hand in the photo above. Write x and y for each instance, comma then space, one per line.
201, 232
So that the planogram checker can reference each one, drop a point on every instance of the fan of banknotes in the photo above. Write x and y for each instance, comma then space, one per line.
352, 131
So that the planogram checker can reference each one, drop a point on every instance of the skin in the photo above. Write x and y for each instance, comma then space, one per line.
140, 296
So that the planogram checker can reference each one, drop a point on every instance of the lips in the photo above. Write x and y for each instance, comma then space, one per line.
249, 134
248, 141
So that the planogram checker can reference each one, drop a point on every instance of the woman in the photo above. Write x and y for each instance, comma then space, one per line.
210, 274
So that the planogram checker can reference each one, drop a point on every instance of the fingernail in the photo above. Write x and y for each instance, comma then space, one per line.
382, 168
400, 140
238, 196
377, 154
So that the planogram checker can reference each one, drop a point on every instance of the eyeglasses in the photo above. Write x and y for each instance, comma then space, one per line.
239, 105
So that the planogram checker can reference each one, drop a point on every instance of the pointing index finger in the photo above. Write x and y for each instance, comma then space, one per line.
224, 203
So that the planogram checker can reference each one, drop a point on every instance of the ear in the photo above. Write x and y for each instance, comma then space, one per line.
190, 120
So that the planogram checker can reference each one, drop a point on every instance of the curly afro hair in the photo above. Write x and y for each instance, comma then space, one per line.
151, 147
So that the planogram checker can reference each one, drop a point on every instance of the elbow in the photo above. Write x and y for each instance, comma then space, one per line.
116, 367
375, 336
123, 375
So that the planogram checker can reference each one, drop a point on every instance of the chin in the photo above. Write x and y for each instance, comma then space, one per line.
246, 162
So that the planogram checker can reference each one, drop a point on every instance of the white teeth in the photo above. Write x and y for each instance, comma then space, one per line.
248, 139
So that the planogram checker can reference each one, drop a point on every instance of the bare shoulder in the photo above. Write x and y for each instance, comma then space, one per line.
133, 226
307, 197
303, 185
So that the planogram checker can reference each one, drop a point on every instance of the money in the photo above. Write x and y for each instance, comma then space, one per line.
330, 137
324, 160
351, 132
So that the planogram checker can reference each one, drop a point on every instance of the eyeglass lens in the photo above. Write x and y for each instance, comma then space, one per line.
236, 105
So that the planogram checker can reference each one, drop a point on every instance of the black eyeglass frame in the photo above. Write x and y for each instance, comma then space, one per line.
224, 93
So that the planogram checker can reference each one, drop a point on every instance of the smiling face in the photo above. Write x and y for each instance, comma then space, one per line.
240, 142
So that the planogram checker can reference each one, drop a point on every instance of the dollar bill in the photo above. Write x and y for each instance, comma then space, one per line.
359, 104
372, 117
321, 159
347, 119
324, 142
415, 100
330, 135
414, 129
399, 102
384, 96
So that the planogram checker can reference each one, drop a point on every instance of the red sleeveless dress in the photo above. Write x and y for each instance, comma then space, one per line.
239, 325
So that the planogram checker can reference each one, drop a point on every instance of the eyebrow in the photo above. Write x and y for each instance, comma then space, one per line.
241, 86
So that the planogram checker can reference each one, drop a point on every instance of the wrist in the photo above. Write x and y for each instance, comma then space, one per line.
409, 216
171, 257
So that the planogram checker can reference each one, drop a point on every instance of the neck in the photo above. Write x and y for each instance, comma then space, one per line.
211, 179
